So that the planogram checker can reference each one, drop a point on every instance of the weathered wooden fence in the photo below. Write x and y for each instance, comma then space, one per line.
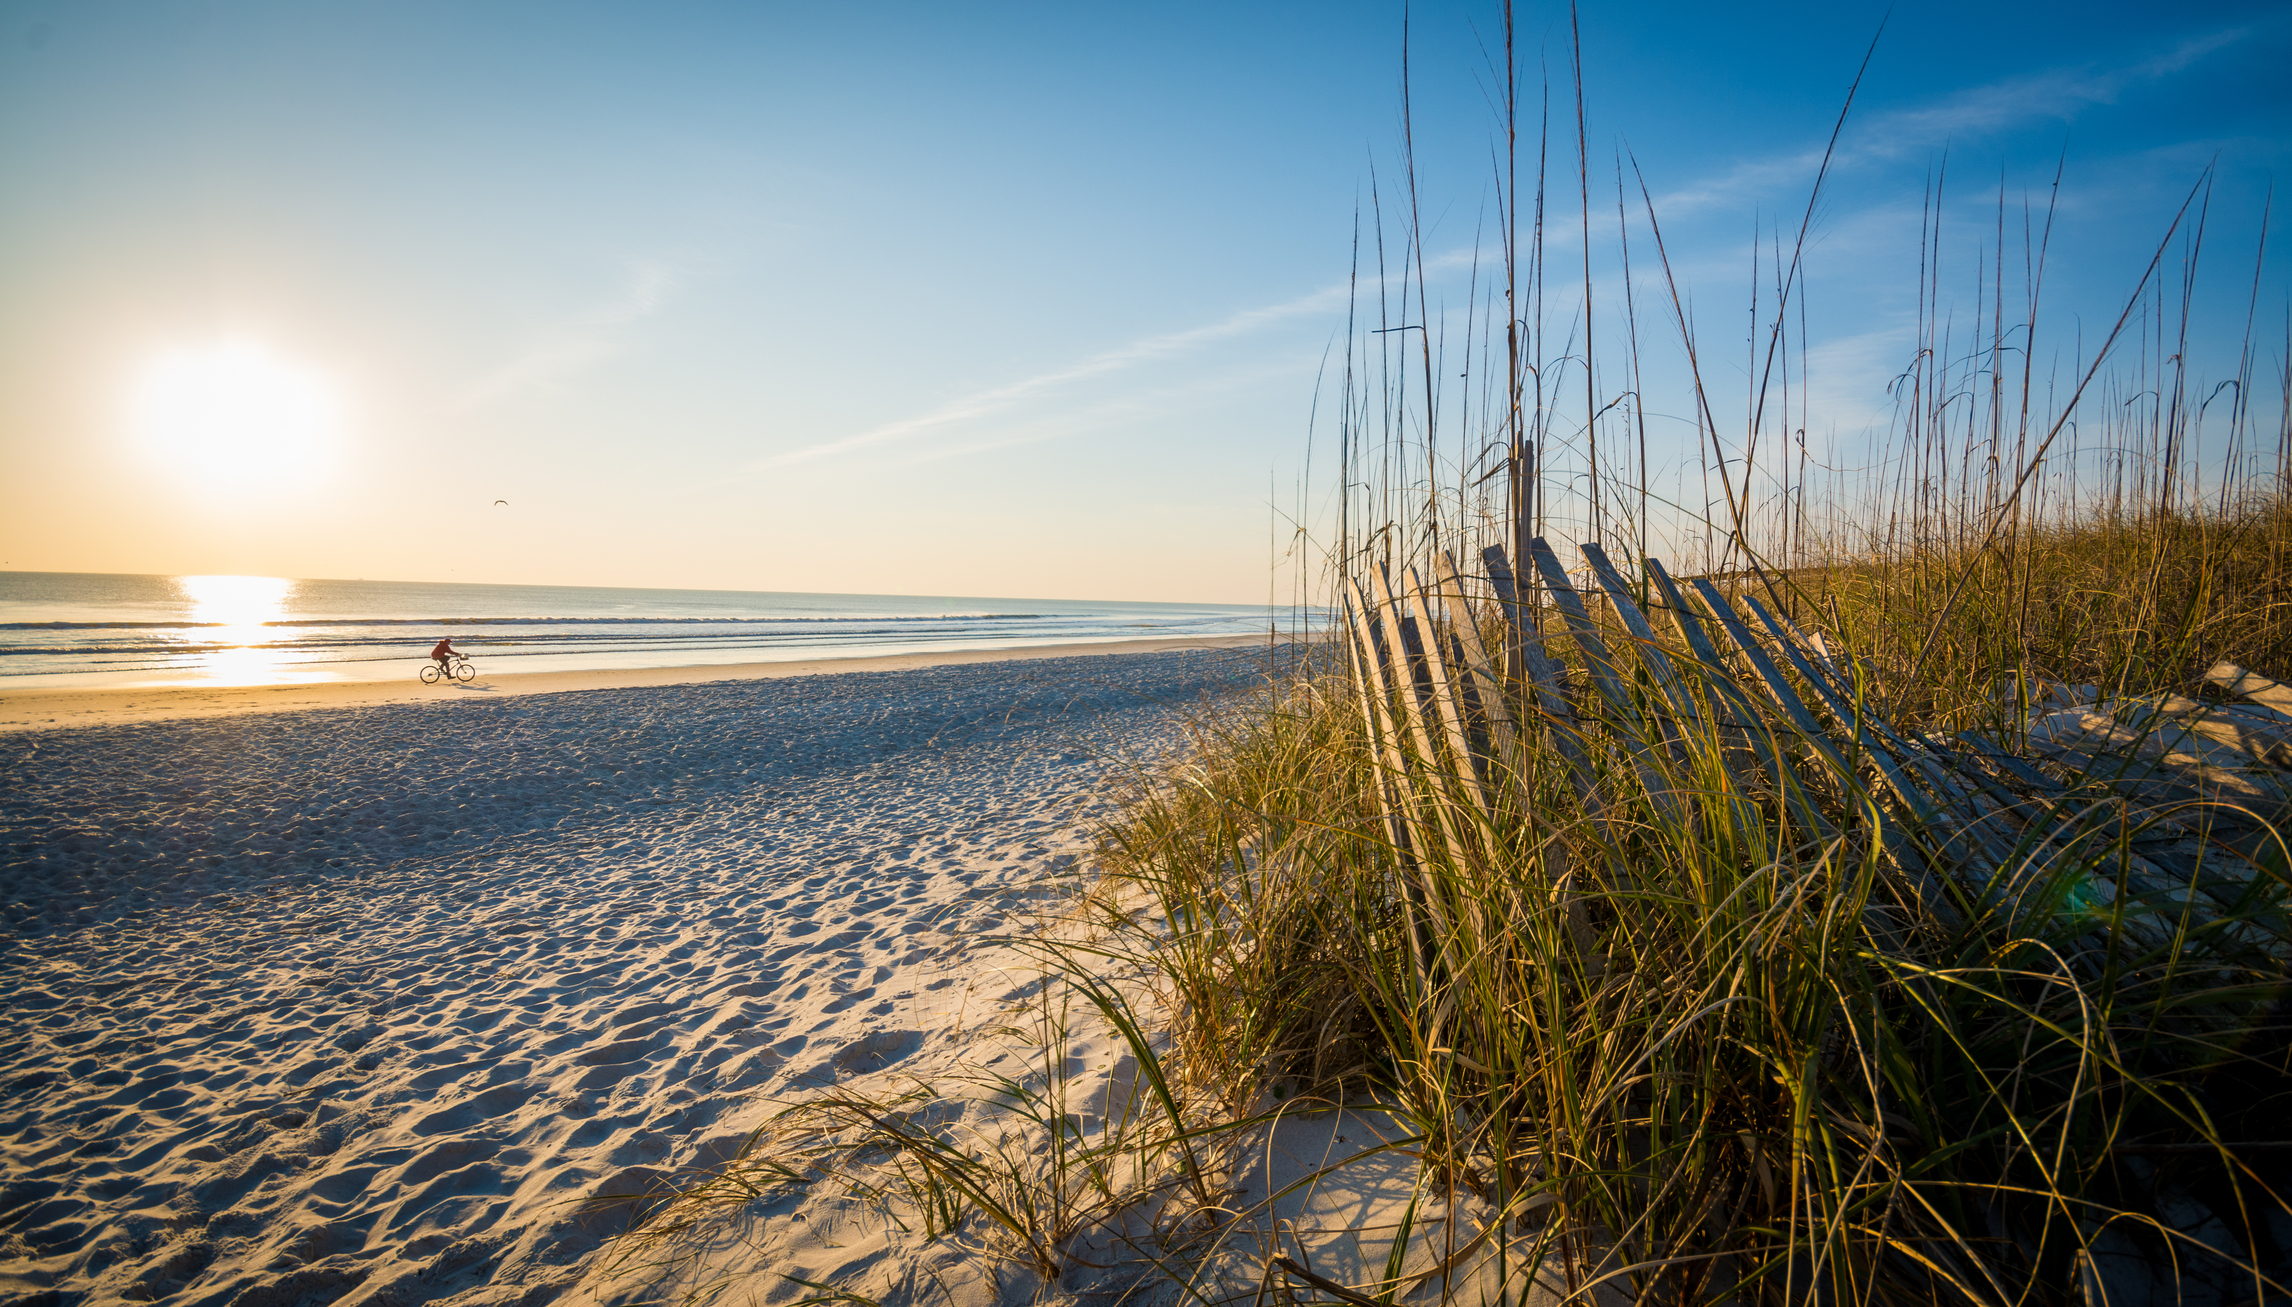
2165, 807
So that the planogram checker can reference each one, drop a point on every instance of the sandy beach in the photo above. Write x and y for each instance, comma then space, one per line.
338, 1000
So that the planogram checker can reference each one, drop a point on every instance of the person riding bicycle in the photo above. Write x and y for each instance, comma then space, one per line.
444, 653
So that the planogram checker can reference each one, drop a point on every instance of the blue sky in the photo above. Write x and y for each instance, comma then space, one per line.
1016, 299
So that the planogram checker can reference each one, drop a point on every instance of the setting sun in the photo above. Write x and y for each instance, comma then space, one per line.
236, 416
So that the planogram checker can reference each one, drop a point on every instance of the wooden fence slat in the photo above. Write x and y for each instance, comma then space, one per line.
2061, 823
1510, 750
1503, 735
1712, 666
1373, 717
2018, 768
1961, 813
1770, 676
1601, 665
2267, 745
1946, 809
1651, 654
2229, 737
1429, 933
1409, 671
1518, 624
1544, 684
1598, 662
1478, 809
1542, 673
1651, 650
1816, 678
1869, 731
2268, 694
1753, 730
1442, 824
1447, 701
1932, 894
1851, 721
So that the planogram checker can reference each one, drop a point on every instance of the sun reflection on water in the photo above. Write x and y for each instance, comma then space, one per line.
231, 612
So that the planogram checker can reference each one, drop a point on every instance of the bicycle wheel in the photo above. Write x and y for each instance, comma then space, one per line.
464, 672
430, 674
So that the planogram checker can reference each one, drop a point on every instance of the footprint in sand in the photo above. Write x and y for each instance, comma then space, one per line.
877, 1051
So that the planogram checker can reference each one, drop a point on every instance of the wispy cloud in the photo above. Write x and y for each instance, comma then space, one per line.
1998, 106
2060, 95
577, 344
1127, 407
986, 403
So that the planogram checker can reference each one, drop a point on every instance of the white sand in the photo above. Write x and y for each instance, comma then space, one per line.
349, 1005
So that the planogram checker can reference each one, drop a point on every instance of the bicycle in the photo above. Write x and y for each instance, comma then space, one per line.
459, 670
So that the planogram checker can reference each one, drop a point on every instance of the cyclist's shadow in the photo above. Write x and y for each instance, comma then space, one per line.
432, 680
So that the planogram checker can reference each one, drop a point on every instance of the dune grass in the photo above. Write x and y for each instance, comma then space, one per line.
2124, 603
1704, 1044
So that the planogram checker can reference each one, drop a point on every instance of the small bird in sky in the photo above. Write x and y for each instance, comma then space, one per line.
501, 503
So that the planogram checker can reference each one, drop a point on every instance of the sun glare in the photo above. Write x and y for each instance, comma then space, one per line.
232, 612
240, 605
236, 416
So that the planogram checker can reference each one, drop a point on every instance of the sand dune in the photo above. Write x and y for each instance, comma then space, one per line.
352, 1005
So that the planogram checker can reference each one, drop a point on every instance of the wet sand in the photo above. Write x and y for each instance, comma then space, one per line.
36, 708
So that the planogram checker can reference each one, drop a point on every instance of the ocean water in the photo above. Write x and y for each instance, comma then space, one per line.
64, 628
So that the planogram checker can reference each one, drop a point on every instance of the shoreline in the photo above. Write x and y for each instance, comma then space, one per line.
68, 708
